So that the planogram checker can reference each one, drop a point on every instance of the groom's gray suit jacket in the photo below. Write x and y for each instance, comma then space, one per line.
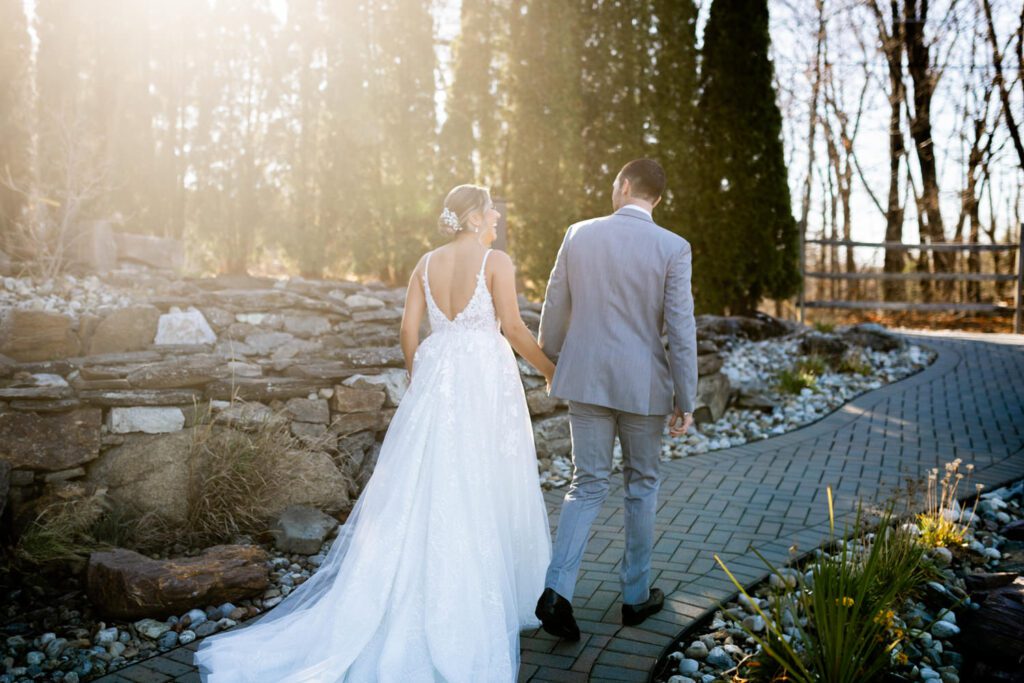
619, 283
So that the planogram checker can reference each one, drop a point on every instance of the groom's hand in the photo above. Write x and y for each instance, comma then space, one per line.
679, 422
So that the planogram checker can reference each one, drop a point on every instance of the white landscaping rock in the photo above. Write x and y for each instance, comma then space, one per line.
148, 419
184, 327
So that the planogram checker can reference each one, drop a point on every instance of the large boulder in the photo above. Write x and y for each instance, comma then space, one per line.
713, 393
126, 329
872, 336
149, 472
50, 441
309, 478
29, 335
823, 344
756, 328
124, 584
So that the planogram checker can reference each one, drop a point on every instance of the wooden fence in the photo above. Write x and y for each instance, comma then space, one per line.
1018, 277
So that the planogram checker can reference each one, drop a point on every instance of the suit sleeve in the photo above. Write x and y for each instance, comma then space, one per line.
682, 330
554, 315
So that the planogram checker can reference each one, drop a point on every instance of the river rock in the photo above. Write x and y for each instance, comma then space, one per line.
124, 584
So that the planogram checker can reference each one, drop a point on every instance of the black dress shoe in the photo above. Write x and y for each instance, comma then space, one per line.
555, 614
635, 614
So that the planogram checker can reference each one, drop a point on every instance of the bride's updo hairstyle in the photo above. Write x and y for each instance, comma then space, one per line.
460, 202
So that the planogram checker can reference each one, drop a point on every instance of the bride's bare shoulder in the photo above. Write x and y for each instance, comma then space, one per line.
501, 260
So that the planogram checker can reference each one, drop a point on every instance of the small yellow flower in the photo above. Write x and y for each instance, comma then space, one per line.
845, 601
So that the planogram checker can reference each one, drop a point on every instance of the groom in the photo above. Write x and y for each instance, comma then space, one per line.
618, 283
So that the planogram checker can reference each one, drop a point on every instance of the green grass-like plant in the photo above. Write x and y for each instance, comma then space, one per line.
803, 375
822, 326
853, 364
843, 618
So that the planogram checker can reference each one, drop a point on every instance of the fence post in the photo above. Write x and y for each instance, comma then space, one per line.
1018, 314
803, 278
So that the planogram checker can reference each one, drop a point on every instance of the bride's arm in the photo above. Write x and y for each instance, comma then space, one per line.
412, 316
506, 305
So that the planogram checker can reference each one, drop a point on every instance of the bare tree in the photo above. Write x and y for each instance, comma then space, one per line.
925, 74
890, 32
1000, 80
47, 232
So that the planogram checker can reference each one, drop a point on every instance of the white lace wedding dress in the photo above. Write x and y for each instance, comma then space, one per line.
442, 559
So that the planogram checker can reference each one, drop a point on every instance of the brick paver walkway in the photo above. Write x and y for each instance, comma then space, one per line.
769, 494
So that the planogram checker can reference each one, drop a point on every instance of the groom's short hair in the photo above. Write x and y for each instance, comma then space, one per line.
646, 178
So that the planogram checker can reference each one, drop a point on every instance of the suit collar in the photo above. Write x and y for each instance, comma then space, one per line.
634, 213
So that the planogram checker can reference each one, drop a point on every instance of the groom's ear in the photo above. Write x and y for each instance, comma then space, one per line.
656, 202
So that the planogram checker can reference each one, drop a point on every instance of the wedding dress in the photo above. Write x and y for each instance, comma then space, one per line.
440, 562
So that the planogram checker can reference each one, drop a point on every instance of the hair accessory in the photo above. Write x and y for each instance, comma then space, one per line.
450, 219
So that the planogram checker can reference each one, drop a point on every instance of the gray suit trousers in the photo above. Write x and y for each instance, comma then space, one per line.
593, 429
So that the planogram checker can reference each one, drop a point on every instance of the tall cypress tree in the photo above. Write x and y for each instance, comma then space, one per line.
674, 110
545, 150
615, 71
469, 136
401, 155
745, 247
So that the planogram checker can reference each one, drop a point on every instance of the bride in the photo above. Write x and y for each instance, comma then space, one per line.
443, 555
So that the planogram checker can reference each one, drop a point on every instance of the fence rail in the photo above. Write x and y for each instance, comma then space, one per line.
1018, 277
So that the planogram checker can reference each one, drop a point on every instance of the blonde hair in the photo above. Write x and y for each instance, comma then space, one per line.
462, 201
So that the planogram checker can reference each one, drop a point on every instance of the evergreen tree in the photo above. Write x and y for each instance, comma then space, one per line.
469, 137
745, 245
615, 72
673, 110
545, 123
401, 152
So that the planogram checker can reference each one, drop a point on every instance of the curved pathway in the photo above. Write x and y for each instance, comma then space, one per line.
770, 495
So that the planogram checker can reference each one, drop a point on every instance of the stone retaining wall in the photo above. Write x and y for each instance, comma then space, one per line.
106, 395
